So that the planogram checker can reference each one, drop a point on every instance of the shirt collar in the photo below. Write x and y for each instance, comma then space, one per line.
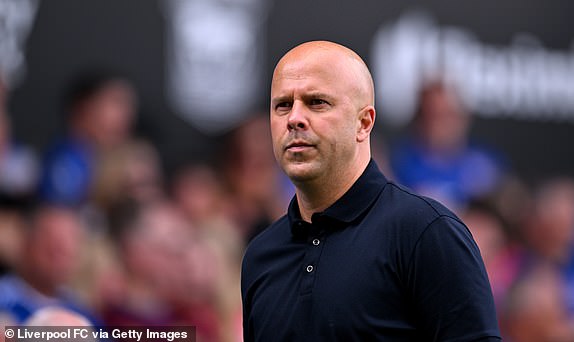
350, 206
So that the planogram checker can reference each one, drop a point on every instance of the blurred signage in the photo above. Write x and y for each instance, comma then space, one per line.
523, 80
214, 61
16, 19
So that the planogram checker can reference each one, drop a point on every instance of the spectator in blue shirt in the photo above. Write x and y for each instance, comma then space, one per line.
438, 158
50, 255
101, 110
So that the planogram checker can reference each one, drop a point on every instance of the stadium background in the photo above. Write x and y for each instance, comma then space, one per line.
131, 36
201, 72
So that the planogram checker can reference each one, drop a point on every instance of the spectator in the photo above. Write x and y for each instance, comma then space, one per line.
550, 231
151, 238
535, 311
439, 159
199, 195
213, 259
198, 191
101, 109
51, 248
211, 296
130, 172
503, 257
259, 190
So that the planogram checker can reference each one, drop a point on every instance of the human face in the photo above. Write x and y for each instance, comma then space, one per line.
314, 117
55, 246
111, 113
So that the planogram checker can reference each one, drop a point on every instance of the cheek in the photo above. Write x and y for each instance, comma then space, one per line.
338, 131
276, 135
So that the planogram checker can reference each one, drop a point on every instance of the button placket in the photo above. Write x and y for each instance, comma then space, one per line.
311, 262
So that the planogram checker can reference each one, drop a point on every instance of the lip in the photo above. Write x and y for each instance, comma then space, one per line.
298, 146
296, 149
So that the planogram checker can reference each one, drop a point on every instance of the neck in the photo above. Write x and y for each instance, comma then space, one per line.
319, 195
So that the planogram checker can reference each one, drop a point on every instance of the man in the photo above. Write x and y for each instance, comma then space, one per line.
356, 258
438, 158
51, 250
101, 108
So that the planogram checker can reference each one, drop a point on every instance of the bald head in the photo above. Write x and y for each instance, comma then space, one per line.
321, 116
342, 65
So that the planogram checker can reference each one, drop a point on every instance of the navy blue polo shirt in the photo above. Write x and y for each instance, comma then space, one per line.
380, 264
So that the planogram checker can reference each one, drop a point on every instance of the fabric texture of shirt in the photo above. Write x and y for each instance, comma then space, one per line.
19, 301
380, 264
454, 178
67, 173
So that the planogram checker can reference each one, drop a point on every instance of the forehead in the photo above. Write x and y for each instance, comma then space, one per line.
312, 71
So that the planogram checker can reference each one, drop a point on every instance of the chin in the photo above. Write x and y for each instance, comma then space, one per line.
300, 172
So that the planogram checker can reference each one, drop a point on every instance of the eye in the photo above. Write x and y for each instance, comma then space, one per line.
317, 102
283, 106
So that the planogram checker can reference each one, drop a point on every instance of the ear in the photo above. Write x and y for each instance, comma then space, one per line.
366, 121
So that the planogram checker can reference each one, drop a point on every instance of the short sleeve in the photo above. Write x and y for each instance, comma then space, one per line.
449, 287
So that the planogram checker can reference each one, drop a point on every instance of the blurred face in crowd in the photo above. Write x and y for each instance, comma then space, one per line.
320, 95
443, 124
142, 172
154, 250
53, 247
108, 115
551, 229
537, 311
198, 192
202, 271
252, 155
488, 233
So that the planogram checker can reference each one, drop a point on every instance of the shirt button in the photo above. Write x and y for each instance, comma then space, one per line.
309, 268
316, 242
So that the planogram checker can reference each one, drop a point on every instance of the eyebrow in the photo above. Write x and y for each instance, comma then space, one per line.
283, 98
317, 95
307, 96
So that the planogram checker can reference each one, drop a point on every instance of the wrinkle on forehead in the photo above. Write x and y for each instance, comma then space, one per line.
335, 62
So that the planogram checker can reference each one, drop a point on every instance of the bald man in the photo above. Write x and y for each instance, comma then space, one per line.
356, 257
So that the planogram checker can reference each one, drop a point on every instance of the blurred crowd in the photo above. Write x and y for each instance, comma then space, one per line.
93, 223
524, 231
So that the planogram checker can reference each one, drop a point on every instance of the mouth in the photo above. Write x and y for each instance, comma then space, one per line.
298, 146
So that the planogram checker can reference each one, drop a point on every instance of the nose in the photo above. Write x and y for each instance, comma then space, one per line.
297, 119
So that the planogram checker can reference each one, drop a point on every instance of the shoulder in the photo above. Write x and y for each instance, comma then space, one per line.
405, 217
403, 204
14, 297
67, 147
427, 227
6, 289
68, 155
